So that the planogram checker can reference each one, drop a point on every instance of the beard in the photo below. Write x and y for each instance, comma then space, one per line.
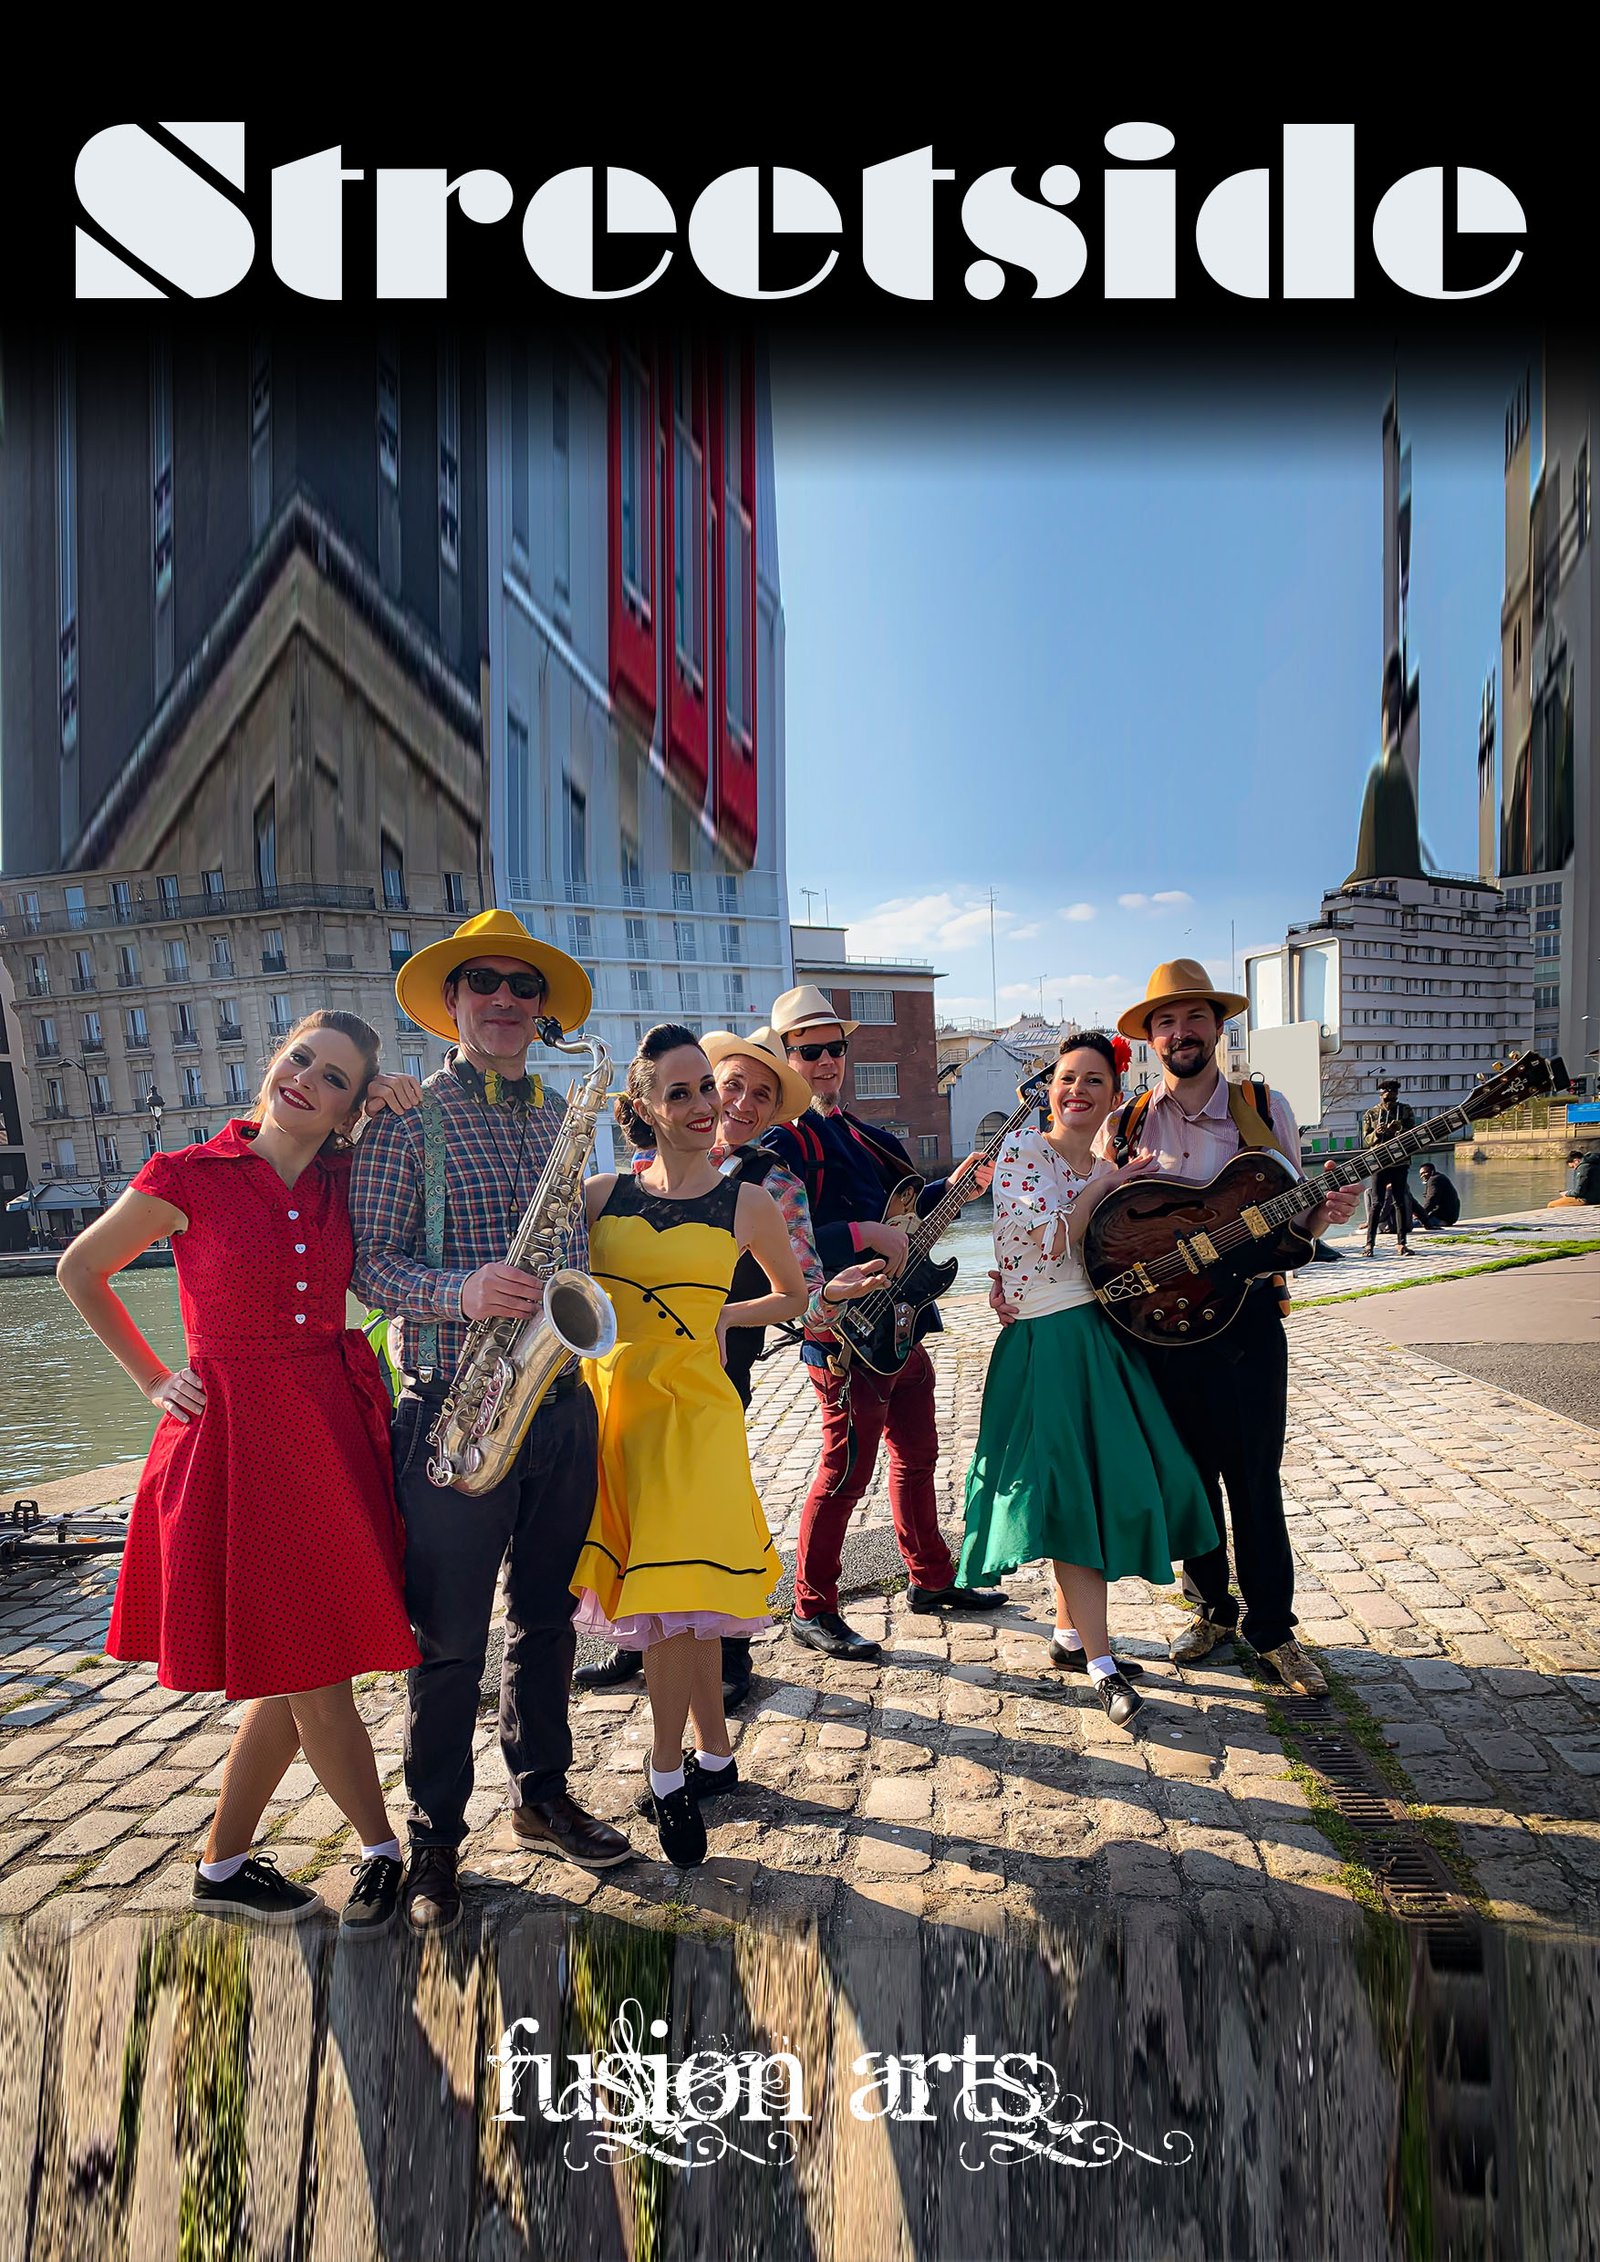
1185, 1054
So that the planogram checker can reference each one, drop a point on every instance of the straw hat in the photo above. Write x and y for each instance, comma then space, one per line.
419, 985
805, 1008
794, 1093
1178, 981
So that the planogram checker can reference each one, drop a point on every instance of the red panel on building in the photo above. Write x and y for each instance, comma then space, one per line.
631, 454
686, 554
733, 455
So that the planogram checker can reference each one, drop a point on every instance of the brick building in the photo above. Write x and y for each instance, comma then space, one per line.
894, 1055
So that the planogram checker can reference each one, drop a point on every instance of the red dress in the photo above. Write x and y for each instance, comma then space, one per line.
264, 1547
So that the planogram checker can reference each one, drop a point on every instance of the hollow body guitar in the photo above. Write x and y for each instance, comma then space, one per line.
1172, 1262
881, 1329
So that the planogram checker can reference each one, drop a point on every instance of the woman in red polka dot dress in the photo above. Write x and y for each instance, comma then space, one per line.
263, 1552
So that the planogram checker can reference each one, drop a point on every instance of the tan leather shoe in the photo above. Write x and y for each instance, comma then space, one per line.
1295, 1670
1198, 1639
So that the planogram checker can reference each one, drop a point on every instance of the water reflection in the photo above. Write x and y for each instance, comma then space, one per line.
69, 1406
1292, 2080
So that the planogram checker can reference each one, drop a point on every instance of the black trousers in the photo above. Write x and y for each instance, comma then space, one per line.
1229, 1403
1390, 1181
535, 1523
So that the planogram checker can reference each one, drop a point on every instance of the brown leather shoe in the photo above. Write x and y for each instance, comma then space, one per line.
560, 1826
1295, 1670
431, 1894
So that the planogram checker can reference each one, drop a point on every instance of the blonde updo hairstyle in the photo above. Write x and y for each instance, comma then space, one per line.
360, 1033
630, 1106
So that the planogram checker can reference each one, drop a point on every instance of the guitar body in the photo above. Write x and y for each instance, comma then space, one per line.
883, 1339
1144, 1221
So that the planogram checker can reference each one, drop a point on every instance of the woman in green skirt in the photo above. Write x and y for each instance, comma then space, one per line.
1077, 1458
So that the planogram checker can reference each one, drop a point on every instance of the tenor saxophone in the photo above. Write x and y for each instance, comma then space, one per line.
507, 1365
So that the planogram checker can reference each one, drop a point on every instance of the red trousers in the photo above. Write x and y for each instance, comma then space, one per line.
899, 1408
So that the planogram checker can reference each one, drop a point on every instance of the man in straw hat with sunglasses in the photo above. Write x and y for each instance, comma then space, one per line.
434, 1209
848, 1169
1228, 1397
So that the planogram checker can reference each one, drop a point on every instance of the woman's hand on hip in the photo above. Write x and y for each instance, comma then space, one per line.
182, 1395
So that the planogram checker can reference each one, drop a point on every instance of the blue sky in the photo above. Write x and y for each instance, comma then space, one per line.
1118, 660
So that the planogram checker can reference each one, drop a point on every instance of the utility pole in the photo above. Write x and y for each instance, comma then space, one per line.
1233, 962
994, 979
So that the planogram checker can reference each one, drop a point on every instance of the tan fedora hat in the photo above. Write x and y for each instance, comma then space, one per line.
804, 1008
794, 1093
1177, 981
419, 985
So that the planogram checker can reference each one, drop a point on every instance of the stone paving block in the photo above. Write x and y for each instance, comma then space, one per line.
1141, 1872
182, 1817
1412, 1737
1484, 1649
15, 1843
153, 1788
1509, 1754
907, 1856
90, 1833
1580, 1754
134, 1858
898, 1798
1379, 1610
835, 1737
1441, 1783
166, 1890
23, 1889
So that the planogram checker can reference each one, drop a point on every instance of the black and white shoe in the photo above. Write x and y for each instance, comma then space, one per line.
258, 1890
374, 1896
1118, 1701
680, 1827
1077, 1661
701, 1783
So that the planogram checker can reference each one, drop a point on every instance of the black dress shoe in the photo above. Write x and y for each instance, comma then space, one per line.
560, 1826
679, 1824
735, 1669
828, 1632
1118, 1702
701, 1783
432, 1891
955, 1598
1077, 1661
621, 1665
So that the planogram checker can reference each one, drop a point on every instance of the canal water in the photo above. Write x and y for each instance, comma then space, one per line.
69, 1406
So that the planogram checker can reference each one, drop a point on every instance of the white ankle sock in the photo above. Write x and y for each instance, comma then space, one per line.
218, 1872
664, 1785
1102, 1668
1069, 1637
714, 1760
387, 1846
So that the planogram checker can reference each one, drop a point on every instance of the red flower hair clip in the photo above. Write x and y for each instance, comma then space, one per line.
1123, 1053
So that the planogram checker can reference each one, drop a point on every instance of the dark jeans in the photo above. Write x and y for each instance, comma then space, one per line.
898, 1408
1229, 1403
1389, 1181
535, 1523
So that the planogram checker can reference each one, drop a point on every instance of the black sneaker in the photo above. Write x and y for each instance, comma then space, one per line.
1077, 1661
828, 1633
1118, 1702
622, 1665
256, 1890
680, 1827
701, 1783
374, 1896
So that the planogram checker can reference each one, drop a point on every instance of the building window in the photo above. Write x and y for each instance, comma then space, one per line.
874, 1008
577, 843
733, 993
83, 970
100, 1095
685, 942
1548, 891
561, 478
1547, 994
193, 1088
732, 940
136, 1027
738, 578
682, 891
167, 890
636, 470
580, 934
519, 788
267, 846
108, 1151
215, 885
66, 1157
175, 956
148, 1141
229, 1027
38, 976
67, 554
632, 872
184, 1032
413, 1064
877, 1079
127, 966
399, 947
221, 955
688, 528
93, 1034
455, 891
282, 1014
394, 874
161, 508
449, 460
638, 940
234, 1073
927, 1147
273, 960
727, 891
28, 911
55, 1098
46, 1043
689, 993
260, 439
639, 986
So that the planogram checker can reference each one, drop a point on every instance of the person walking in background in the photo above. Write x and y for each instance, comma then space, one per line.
264, 1547
1077, 1458
1438, 1204
1380, 1124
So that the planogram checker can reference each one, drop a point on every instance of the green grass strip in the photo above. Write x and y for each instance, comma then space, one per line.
1464, 1272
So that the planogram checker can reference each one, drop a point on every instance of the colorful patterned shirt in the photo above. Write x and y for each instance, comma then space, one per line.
493, 1157
1033, 1187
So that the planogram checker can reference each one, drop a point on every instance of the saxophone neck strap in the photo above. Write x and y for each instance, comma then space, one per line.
433, 1152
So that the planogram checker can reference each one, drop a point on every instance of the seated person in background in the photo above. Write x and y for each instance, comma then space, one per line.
1438, 1203
1583, 1174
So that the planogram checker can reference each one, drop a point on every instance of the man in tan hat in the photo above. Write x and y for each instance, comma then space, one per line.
848, 1169
1227, 1397
434, 1210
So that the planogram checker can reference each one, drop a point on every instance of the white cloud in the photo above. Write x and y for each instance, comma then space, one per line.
1078, 911
1025, 934
1165, 899
1172, 896
910, 926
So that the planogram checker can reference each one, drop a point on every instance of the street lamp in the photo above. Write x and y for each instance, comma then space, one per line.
158, 1108
88, 1093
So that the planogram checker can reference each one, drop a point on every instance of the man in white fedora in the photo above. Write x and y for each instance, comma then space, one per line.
434, 1206
1228, 1397
848, 1169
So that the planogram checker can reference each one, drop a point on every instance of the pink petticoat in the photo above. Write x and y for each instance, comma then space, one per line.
640, 1629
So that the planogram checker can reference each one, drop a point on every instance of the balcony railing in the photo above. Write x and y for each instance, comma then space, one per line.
229, 1033
277, 1030
57, 1115
186, 1041
85, 982
46, 1049
339, 960
274, 962
129, 978
226, 903
38, 985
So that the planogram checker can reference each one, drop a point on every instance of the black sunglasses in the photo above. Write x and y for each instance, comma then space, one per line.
836, 1050
483, 981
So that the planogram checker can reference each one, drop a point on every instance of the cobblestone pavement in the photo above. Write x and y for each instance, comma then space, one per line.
1448, 1537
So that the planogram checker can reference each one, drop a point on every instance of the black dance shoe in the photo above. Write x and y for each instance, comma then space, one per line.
1077, 1661
679, 1823
1118, 1702
828, 1633
955, 1598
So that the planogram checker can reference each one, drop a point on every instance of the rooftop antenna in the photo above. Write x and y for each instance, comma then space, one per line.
810, 895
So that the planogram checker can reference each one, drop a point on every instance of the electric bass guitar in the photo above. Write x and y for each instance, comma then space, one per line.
1172, 1263
880, 1329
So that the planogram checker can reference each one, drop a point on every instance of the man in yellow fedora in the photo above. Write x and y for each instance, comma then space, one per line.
1228, 1397
434, 1211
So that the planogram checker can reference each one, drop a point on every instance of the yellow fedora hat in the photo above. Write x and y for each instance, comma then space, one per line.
1177, 981
419, 985
794, 1093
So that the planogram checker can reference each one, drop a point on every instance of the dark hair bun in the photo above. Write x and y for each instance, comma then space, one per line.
636, 1128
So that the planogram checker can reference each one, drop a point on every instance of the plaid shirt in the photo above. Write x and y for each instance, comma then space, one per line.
493, 1157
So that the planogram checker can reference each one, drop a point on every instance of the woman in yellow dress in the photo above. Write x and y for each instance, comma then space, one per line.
678, 1552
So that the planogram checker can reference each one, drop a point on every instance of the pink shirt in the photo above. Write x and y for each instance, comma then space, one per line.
1196, 1147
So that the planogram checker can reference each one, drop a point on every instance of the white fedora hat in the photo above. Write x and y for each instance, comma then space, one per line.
805, 1008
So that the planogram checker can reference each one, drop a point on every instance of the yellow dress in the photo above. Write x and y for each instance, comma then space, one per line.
678, 1541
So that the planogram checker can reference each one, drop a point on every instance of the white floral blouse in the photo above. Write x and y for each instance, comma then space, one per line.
1033, 1188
